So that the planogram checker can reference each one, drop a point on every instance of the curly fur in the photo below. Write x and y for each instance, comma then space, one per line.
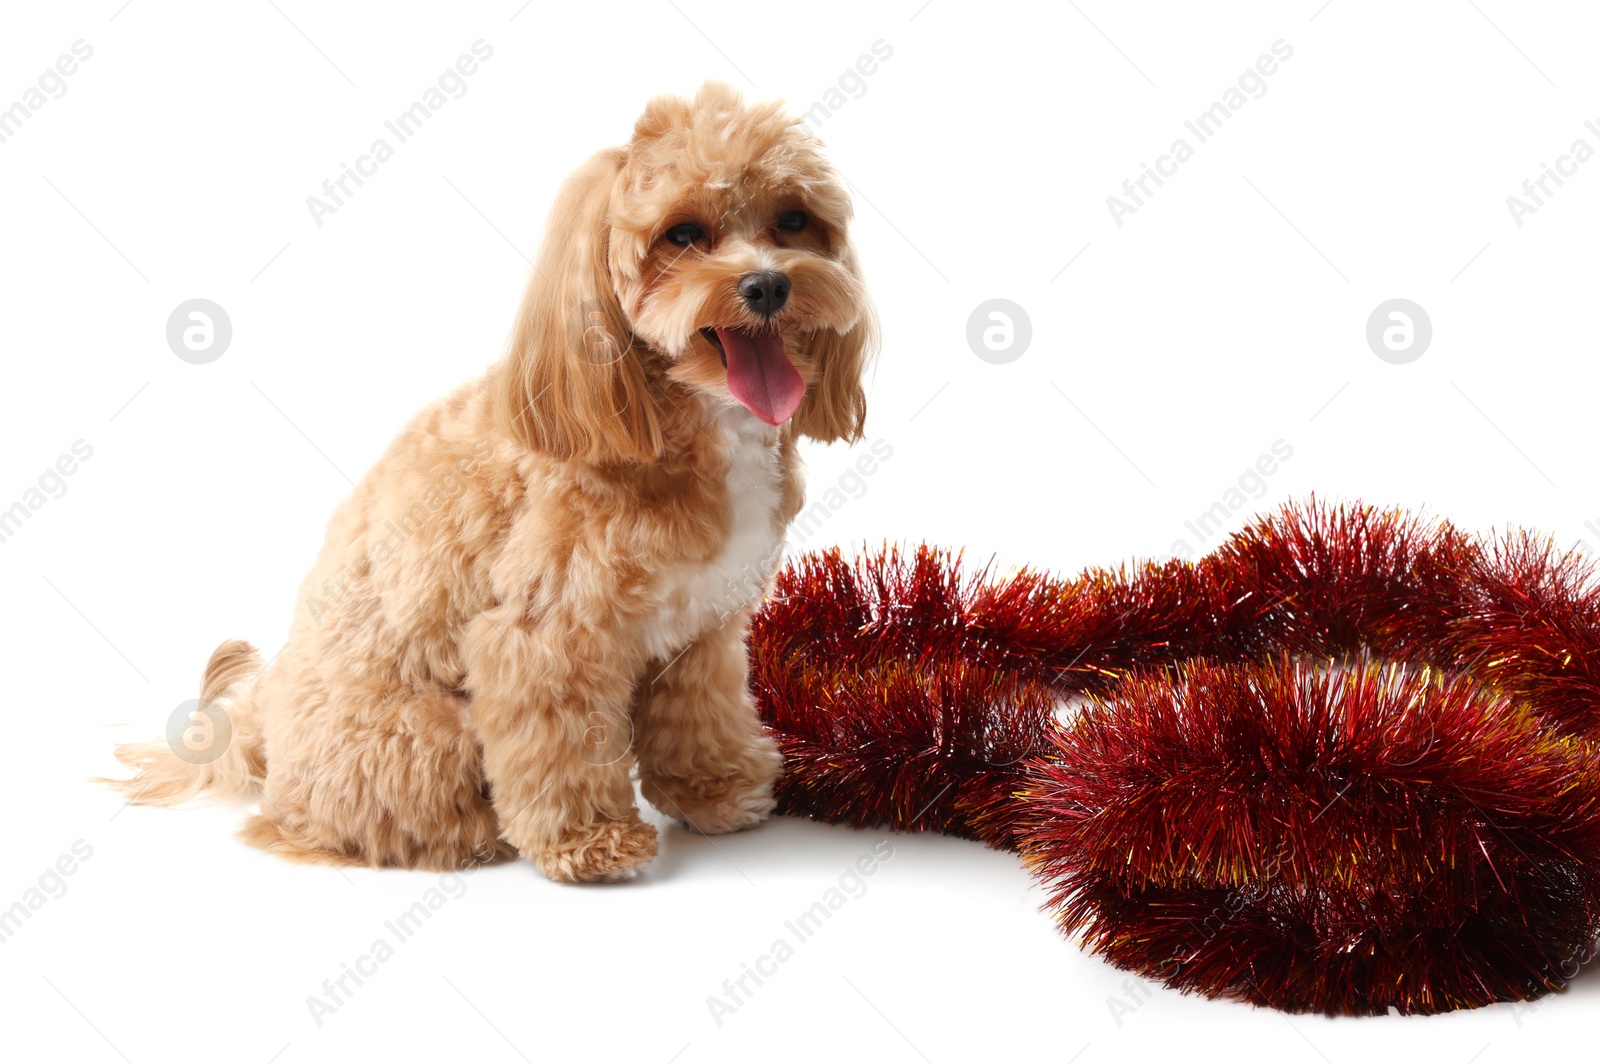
544, 585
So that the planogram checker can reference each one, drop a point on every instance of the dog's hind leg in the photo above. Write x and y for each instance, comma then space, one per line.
380, 774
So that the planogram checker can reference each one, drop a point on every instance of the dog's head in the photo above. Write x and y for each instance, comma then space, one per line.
712, 249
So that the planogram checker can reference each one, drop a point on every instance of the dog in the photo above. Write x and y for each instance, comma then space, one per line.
542, 589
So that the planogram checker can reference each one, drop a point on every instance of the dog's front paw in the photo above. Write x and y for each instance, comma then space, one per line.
608, 852
713, 805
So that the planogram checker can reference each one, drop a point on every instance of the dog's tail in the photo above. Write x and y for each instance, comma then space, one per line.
175, 769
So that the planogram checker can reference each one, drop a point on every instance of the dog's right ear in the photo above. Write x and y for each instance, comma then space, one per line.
571, 385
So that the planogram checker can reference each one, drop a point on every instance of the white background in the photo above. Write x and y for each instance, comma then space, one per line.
1229, 312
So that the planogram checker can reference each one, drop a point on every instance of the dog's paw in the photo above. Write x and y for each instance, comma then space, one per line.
609, 852
713, 805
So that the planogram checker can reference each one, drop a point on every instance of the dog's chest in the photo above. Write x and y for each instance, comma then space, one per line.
698, 596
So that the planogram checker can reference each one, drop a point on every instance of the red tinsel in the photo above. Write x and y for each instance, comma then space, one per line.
1344, 763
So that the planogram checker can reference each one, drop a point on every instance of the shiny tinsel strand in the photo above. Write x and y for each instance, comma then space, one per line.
1343, 763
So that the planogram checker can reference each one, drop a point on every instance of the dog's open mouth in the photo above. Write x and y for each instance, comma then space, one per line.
760, 374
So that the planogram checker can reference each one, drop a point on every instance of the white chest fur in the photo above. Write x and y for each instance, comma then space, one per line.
696, 597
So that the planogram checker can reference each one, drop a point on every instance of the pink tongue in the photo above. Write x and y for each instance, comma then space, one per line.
760, 374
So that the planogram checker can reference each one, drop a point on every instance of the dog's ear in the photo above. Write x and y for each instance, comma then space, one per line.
571, 385
835, 404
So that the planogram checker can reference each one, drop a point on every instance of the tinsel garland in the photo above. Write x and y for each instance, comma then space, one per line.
1347, 762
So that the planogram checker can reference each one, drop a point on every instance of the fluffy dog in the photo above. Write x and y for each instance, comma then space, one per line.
545, 583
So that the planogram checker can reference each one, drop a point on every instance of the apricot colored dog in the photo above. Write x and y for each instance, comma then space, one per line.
543, 587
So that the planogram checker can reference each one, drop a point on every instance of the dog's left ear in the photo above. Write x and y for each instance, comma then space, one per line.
571, 385
835, 405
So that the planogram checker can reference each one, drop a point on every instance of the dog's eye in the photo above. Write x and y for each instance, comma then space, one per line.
792, 221
685, 233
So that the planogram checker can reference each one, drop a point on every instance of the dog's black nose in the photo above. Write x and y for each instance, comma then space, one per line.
765, 292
